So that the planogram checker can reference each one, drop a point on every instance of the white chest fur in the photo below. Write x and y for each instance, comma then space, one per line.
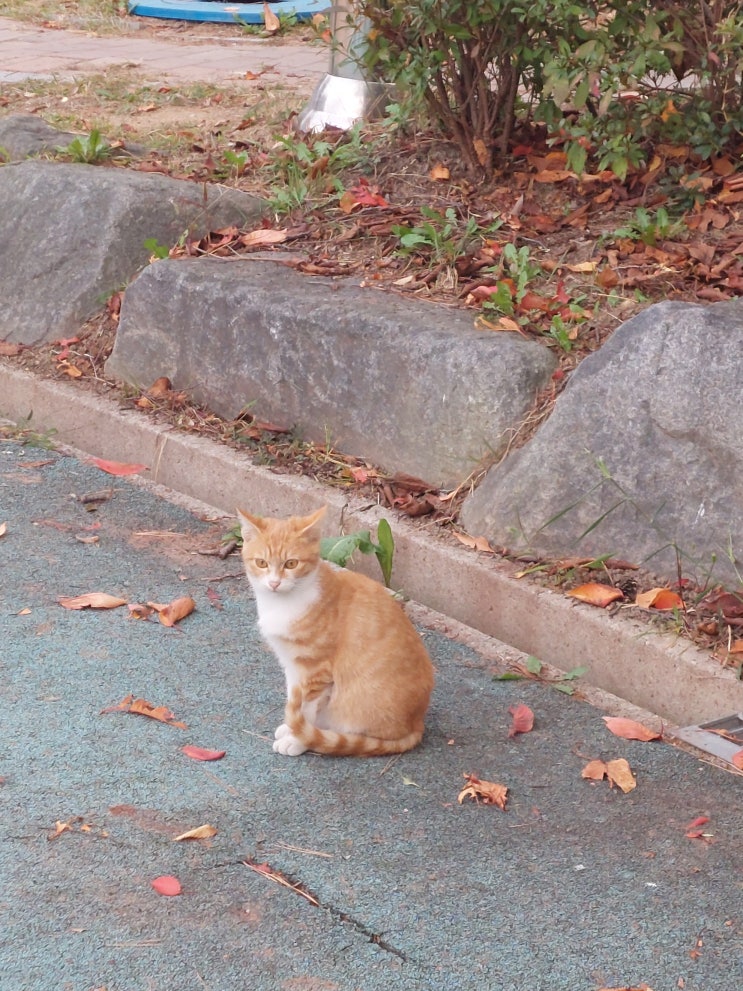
277, 614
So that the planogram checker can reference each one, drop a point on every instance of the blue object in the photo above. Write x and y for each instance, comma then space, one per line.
238, 11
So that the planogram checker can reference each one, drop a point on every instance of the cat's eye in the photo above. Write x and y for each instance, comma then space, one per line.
259, 562
291, 564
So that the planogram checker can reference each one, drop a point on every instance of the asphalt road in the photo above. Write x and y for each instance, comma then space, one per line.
576, 887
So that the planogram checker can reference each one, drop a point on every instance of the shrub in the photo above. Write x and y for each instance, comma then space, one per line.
606, 77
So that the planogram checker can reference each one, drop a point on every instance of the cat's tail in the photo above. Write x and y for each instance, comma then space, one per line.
325, 741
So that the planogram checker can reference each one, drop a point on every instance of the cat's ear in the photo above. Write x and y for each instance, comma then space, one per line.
309, 524
250, 526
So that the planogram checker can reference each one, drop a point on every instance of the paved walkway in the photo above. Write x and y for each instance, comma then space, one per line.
27, 51
576, 887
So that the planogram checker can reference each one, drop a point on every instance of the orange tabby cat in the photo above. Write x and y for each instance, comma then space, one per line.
358, 677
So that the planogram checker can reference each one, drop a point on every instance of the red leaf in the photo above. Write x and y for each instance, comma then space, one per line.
662, 599
167, 885
523, 719
199, 753
117, 467
628, 729
699, 821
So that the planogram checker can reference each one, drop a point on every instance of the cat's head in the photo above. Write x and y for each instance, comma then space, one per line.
280, 554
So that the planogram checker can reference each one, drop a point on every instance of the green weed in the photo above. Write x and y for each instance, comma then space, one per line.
88, 149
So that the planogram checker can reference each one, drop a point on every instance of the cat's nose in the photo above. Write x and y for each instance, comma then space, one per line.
274, 584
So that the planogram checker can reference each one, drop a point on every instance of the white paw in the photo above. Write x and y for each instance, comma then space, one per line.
281, 731
289, 745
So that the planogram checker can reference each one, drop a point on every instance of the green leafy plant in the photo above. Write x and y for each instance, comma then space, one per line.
304, 168
649, 228
340, 550
440, 236
25, 434
88, 149
156, 249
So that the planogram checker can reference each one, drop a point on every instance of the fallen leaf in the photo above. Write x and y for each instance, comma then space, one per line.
59, 828
476, 543
141, 707
87, 538
737, 759
270, 19
138, 610
439, 172
10, 350
617, 771
204, 832
199, 753
522, 719
24, 612
3, 529
174, 611
695, 830
91, 600
262, 237
481, 151
117, 467
596, 594
590, 266
487, 792
160, 387
696, 823
167, 885
628, 729
554, 175
659, 598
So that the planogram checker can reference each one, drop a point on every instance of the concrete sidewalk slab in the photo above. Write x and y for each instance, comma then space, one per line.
30, 51
575, 886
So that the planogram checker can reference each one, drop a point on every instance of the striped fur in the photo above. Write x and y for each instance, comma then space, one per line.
358, 678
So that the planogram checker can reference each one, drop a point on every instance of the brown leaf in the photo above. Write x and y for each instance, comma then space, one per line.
3, 529
522, 719
138, 610
204, 832
486, 792
617, 771
554, 175
160, 387
91, 600
662, 599
728, 604
439, 172
597, 594
628, 729
174, 611
476, 543
167, 885
481, 151
737, 759
262, 237
141, 707
10, 350
270, 19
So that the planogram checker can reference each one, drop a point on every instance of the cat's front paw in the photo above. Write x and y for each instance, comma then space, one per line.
281, 731
288, 744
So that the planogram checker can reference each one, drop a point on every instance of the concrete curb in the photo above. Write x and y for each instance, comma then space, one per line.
666, 676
